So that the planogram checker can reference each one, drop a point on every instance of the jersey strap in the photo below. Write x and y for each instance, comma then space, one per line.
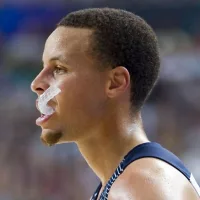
155, 150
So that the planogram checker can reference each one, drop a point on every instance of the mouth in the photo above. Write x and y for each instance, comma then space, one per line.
42, 119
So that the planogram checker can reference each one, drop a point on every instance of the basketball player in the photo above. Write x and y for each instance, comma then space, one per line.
105, 63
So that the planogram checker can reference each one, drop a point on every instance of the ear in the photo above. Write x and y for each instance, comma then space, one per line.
119, 81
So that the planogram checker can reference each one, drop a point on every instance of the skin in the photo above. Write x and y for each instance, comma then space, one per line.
93, 110
158, 182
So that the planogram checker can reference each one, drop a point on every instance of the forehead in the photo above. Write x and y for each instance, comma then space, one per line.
66, 41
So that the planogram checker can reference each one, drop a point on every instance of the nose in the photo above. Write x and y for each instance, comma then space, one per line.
40, 83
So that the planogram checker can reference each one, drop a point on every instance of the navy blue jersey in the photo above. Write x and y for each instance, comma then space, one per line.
146, 150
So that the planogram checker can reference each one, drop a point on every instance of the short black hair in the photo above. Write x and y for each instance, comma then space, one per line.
121, 38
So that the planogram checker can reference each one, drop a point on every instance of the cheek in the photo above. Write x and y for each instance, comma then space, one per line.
72, 97
80, 94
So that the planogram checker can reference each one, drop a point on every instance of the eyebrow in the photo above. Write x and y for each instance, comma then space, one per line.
57, 58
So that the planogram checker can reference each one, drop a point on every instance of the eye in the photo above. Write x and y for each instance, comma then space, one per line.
59, 70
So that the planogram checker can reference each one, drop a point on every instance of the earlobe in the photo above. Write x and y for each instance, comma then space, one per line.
119, 81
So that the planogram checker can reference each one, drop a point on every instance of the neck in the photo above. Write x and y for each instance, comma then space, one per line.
109, 144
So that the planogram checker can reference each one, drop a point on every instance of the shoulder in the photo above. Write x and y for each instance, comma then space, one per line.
151, 179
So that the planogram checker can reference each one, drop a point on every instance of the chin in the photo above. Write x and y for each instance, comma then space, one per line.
50, 137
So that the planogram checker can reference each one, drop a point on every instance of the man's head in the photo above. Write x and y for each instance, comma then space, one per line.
100, 59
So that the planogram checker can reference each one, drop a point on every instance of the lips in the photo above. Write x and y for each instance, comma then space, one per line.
42, 119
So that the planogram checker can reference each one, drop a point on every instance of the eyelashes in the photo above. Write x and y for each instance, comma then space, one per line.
59, 70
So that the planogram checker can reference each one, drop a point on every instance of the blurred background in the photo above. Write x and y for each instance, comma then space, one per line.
30, 171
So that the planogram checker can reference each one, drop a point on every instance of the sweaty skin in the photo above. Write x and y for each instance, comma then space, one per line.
152, 179
93, 110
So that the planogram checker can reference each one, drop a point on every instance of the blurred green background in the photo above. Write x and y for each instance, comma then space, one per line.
30, 171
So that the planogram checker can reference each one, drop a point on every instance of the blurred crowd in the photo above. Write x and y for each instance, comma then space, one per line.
30, 171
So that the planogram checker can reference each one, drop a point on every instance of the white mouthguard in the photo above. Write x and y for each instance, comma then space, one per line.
43, 99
